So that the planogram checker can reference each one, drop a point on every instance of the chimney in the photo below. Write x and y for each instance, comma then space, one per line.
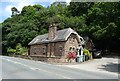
52, 31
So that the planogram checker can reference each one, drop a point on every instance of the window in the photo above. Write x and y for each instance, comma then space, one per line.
73, 49
35, 50
70, 48
60, 48
44, 51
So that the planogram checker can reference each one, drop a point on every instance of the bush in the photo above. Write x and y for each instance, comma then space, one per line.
85, 51
20, 50
10, 50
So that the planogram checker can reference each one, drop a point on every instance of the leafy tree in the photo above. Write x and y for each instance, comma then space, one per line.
79, 8
14, 11
103, 25
98, 20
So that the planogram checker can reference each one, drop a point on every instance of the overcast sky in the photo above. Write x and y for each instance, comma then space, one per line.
6, 5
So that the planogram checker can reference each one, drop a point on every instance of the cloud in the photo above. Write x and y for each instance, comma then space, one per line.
19, 6
8, 4
8, 9
22, 4
68, 1
5, 9
26, 0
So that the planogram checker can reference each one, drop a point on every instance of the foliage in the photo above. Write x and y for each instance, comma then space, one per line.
98, 20
20, 50
14, 11
85, 51
102, 21
10, 50
54, 19
79, 8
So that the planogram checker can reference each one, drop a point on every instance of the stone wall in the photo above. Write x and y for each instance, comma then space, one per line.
38, 50
49, 50
71, 44
49, 59
54, 52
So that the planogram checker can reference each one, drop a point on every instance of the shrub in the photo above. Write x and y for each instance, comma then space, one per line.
20, 50
10, 50
85, 51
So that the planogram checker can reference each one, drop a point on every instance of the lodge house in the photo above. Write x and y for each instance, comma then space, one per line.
55, 45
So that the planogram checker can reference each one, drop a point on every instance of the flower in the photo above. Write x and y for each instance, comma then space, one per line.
71, 55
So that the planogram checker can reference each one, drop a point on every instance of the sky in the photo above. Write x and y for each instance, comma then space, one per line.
6, 5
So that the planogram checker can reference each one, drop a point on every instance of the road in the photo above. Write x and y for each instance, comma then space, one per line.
107, 65
17, 68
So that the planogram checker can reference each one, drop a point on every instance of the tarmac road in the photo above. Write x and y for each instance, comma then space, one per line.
17, 68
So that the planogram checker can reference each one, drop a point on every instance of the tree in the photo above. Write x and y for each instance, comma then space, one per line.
79, 8
14, 11
103, 25
53, 20
98, 20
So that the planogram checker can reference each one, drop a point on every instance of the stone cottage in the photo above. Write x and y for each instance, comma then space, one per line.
55, 45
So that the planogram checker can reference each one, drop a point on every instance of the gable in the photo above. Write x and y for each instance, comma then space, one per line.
72, 37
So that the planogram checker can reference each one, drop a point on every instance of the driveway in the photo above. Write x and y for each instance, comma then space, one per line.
104, 65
